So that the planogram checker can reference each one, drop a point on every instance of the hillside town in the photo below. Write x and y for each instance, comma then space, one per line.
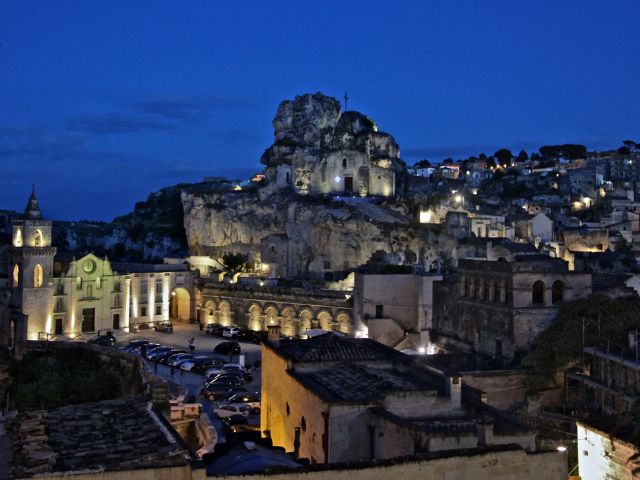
340, 313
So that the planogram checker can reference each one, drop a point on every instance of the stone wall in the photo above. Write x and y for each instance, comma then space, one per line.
600, 455
497, 463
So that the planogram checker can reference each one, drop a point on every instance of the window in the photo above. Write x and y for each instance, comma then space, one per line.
159, 287
116, 286
78, 283
60, 288
303, 424
379, 311
463, 285
89, 291
143, 311
17, 242
59, 305
273, 248
344, 163
288, 409
158, 309
537, 293
116, 301
37, 276
143, 287
37, 238
557, 292
16, 275
99, 282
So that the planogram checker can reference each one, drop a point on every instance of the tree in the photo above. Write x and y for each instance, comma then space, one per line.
523, 156
503, 156
234, 262
423, 164
624, 150
567, 150
631, 145
491, 163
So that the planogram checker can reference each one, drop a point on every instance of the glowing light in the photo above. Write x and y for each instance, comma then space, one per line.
47, 327
561, 448
422, 350
458, 198
426, 216
261, 283
237, 188
337, 178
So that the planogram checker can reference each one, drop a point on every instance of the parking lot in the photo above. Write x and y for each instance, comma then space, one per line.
181, 380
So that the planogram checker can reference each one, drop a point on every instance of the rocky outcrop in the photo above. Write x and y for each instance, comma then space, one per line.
324, 235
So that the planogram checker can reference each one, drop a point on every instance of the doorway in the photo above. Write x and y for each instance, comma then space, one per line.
116, 321
58, 329
348, 184
88, 320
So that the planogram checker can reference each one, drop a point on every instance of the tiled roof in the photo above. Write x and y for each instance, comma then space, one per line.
121, 434
330, 347
356, 383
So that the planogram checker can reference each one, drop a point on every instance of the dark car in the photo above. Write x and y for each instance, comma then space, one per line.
134, 345
164, 327
202, 365
259, 336
167, 355
243, 375
157, 352
233, 420
234, 391
227, 348
218, 390
107, 340
225, 375
214, 329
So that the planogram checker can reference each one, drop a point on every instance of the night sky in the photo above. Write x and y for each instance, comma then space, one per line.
102, 103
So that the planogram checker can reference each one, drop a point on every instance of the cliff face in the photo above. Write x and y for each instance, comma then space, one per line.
345, 234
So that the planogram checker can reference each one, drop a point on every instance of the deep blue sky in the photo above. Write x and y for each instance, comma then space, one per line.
103, 102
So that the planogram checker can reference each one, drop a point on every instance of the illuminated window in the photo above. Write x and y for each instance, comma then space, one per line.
37, 276
37, 238
16, 275
17, 241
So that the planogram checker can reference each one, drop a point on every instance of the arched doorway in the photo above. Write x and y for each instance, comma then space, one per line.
324, 320
209, 312
224, 314
305, 320
288, 324
271, 315
180, 305
344, 323
255, 318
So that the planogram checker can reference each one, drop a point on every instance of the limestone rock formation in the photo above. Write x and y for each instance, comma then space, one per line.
319, 149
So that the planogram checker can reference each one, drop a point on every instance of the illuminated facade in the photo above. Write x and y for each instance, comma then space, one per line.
89, 294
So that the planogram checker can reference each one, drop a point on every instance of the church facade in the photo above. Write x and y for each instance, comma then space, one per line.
88, 294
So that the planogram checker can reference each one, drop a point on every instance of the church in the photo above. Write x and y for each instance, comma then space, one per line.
88, 295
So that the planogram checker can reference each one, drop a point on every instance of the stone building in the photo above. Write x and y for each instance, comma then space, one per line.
319, 149
88, 294
275, 252
498, 308
295, 310
395, 309
338, 399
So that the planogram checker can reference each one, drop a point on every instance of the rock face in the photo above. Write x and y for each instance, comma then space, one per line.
321, 236
318, 149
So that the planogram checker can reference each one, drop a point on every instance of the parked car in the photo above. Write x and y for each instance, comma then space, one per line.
229, 409
164, 327
177, 359
157, 352
235, 375
147, 348
165, 357
219, 390
243, 432
259, 336
234, 391
200, 364
233, 420
134, 345
107, 340
212, 372
227, 348
231, 332
250, 399
213, 329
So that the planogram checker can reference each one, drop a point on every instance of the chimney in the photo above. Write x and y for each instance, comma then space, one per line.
274, 335
453, 385
484, 431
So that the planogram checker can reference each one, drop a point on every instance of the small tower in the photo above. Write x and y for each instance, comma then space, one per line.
31, 269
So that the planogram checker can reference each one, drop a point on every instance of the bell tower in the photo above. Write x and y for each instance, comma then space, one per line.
31, 269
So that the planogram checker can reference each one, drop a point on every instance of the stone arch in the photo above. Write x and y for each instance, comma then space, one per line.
289, 324
224, 313
271, 316
37, 238
256, 319
537, 293
557, 292
343, 322
180, 304
38, 276
17, 241
325, 320
305, 321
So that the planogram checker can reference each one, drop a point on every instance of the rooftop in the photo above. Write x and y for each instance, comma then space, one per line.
356, 383
330, 347
121, 434
125, 267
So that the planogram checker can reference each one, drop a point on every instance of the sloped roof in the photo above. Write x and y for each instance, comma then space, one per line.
330, 347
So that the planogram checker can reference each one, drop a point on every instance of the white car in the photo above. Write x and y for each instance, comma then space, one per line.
178, 359
245, 398
227, 410
231, 332
229, 367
